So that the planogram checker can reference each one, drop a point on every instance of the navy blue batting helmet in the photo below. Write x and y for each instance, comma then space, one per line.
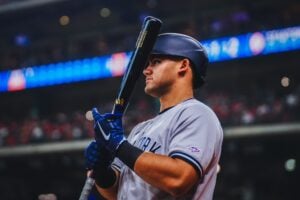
180, 45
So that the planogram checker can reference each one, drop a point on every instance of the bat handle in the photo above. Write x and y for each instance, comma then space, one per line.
118, 108
89, 183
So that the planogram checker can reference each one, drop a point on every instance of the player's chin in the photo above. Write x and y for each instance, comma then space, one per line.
147, 89
150, 90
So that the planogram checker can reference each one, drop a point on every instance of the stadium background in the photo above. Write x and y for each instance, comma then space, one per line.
43, 131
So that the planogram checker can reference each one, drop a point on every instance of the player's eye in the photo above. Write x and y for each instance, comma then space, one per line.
155, 61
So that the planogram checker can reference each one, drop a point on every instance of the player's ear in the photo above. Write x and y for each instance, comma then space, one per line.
184, 66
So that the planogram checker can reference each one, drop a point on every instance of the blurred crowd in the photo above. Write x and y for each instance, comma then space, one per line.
33, 130
232, 110
239, 109
63, 126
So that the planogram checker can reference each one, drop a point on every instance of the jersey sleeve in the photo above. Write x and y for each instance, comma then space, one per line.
117, 164
194, 136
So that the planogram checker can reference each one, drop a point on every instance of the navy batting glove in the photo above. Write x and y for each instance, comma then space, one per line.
109, 130
97, 157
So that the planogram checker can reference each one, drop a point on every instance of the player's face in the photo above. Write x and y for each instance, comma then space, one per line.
160, 75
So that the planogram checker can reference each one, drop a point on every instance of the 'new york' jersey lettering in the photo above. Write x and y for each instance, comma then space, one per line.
147, 144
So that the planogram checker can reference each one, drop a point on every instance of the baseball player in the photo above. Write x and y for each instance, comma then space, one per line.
175, 154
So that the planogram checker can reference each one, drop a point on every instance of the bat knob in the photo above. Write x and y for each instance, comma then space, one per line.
89, 115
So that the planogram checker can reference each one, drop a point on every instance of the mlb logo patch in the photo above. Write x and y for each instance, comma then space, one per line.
194, 149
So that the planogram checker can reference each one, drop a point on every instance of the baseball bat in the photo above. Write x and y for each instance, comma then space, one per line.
144, 44
138, 60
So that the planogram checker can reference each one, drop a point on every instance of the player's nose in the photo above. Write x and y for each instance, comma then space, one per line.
147, 70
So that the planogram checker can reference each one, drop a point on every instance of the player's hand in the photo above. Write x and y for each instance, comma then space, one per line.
97, 157
108, 130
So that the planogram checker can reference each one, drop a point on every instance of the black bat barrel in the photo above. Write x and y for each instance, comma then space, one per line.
138, 60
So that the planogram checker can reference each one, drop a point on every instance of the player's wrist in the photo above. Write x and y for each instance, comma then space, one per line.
105, 177
128, 154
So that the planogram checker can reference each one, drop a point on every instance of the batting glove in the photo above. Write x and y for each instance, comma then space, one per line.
97, 157
109, 130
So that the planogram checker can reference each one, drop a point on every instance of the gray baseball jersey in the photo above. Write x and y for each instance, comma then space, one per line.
189, 131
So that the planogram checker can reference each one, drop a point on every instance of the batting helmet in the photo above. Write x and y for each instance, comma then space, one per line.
180, 45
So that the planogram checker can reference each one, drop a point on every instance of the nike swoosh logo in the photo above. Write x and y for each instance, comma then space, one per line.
106, 137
